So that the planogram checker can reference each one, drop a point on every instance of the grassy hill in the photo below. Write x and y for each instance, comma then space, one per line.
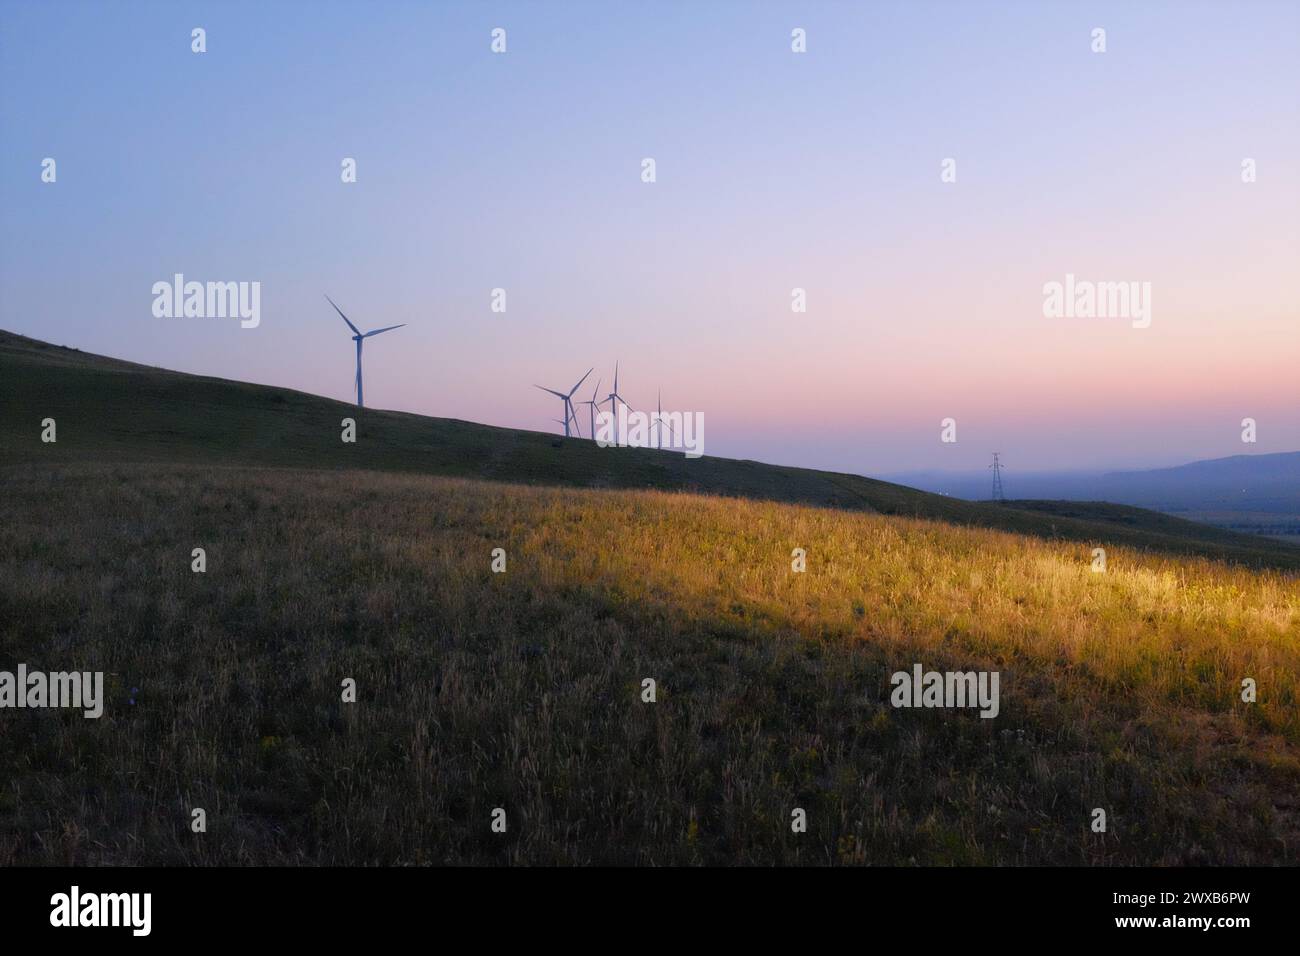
523, 690
113, 411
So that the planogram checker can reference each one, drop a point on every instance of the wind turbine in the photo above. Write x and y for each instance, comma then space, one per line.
659, 420
593, 405
568, 403
358, 337
614, 398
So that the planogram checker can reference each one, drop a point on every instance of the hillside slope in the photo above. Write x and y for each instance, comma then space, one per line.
109, 410
523, 689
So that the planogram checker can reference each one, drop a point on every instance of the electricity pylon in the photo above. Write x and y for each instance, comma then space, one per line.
997, 478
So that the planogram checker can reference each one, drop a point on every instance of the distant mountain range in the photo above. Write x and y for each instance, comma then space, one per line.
1257, 493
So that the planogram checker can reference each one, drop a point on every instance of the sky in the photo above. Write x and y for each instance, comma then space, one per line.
774, 170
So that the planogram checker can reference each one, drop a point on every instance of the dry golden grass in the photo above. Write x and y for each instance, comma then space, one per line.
522, 690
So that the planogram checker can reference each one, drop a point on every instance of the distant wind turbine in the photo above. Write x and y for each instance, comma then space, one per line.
592, 406
358, 338
613, 398
659, 420
569, 413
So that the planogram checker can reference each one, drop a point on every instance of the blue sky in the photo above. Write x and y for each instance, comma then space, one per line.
775, 171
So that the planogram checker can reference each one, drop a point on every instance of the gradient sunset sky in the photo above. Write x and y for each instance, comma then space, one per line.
775, 170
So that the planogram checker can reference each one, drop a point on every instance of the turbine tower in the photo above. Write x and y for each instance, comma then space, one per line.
997, 478
358, 337
569, 413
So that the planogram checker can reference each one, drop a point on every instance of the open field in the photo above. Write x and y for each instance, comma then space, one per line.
522, 690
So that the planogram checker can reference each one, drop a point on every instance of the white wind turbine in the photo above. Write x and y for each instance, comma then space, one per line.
614, 398
358, 337
569, 413
659, 420
592, 406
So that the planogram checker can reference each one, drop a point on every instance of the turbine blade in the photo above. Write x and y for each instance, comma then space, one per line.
344, 317
552, 391
581, 380
388, 329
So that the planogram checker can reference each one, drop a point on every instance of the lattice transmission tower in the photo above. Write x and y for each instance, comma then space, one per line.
997, 478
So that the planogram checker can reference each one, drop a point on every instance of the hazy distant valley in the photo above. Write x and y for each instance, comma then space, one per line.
1255, 494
